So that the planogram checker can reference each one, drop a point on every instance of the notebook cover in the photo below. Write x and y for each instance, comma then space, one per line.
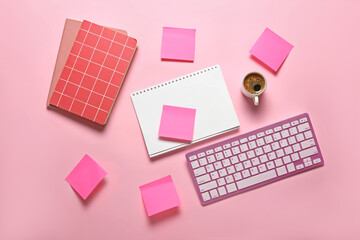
71, 29
94, 72
204, 90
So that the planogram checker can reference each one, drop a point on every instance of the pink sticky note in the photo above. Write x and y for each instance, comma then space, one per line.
85, 176
159, 195
178, 44
177, 123
271, 49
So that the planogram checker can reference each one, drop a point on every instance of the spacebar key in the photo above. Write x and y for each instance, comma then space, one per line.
256, 179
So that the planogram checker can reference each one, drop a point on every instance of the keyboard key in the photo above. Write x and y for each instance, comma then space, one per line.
243, 140
229, 179
270, 165
300, 166
268, 139
293, 131
255, 161
263, 158
222, 191
276, 136
303, 127
252, 145
195, 164
300, 137
211, 159
219, 156
288, 150
230, 170
280, 153
270, 131
259, 151
193, 157
237, 176
290, 167
247, 164
242, 157
245, 173
206, 196
254, 170
244, 147
294, 123
295, 157
278, 162
214, 193
201, 155
267, 148
218, 165
317, 160
262, 168
226, 162
221, 181
231, 187
296, 147
271, 156
239, 167
207, 186
285, 134
307, 143
235, 143
222, 172
283, 143
203, 179
292, 140
209, 168
202, 161
308, 134
227, 153
218, 149
260, 142
277, 129
260, 134
303, 120
234, 160
199, 171
281, 170
226, 146
252, 137
308, 152
214, 175
208, 152
308, 164
286, 159
262, 177
286, 125
235, 150
250, 154
275, 146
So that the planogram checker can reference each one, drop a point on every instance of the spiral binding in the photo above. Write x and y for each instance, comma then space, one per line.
173, 81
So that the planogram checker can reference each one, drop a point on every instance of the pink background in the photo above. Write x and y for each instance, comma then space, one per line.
39, 147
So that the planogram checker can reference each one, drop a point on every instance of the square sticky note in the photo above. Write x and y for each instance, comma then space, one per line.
178, 44
159, 195
85, 176
177, 123
271, 49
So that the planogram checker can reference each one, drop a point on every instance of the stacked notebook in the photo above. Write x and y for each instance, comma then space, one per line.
90, 69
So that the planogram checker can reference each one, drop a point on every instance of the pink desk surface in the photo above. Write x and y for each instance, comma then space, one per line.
40, 147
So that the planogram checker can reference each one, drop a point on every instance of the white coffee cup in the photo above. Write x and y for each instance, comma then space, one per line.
253, 85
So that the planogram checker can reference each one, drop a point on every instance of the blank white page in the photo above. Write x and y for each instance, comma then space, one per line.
204, 90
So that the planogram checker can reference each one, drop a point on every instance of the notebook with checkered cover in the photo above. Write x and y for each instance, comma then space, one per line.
94, 72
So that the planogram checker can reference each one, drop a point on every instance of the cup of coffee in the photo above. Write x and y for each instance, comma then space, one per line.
253, 85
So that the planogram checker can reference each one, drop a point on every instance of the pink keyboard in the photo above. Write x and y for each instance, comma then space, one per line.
254, 159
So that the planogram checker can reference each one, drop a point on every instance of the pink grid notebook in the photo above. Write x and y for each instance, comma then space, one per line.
94, 72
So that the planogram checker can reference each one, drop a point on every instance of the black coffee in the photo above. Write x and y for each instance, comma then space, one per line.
254, 83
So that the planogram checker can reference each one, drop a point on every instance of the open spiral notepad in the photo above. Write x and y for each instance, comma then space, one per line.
204, 90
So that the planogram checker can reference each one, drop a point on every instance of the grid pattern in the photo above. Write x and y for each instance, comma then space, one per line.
94, 72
